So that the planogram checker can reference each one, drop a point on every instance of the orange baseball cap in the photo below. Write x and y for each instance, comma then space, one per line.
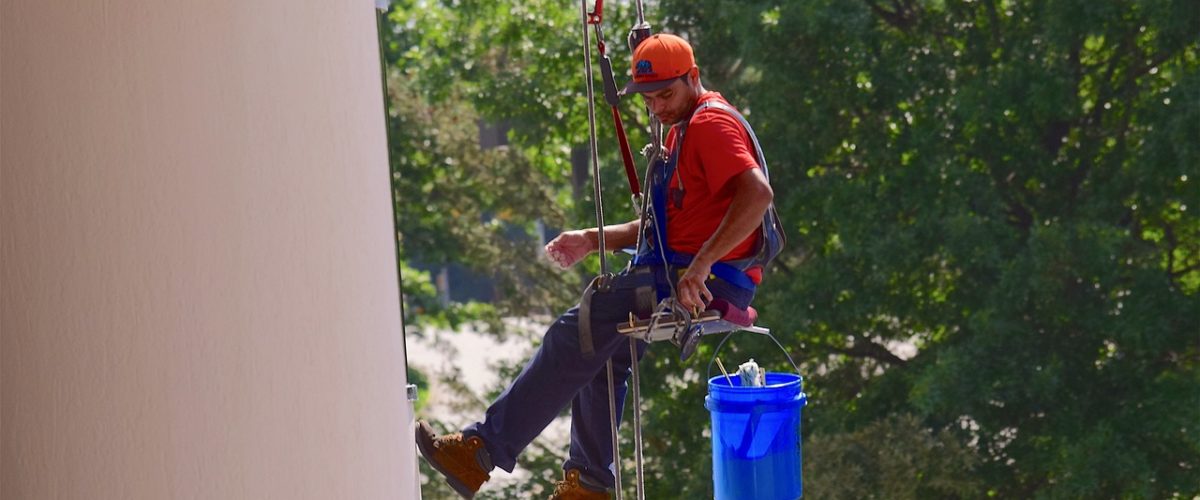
658, 61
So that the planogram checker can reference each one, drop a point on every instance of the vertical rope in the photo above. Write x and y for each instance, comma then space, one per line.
591, 106
612, 421
637, 421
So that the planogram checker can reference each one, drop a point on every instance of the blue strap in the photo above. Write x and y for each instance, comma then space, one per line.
762, 159
650, 254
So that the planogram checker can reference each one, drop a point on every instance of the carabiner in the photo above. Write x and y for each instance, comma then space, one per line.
596, 16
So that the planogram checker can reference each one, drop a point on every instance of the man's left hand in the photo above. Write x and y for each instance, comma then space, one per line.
693, 293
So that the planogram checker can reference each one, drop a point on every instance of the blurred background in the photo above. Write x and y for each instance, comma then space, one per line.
993, 275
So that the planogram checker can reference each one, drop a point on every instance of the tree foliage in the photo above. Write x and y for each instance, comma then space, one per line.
894, 457
996, 201
989, 182
458, 202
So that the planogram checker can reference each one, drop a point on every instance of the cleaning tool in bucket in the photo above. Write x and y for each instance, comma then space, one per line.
756, 436
751, 375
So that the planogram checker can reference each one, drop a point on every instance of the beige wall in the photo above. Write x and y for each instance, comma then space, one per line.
197, 268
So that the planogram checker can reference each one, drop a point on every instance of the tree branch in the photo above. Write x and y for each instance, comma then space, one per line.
896, 19
1018, 214
1183, 271
1172, 242
863, 348
994, 22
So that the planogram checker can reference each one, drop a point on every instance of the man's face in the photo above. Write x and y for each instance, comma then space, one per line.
673, 103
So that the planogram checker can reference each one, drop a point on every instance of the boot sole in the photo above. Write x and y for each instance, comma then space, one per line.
424, 436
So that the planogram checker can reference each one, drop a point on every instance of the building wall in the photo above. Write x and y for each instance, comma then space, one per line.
196, 255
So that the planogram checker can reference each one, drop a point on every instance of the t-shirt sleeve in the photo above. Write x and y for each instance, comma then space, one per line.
723, 146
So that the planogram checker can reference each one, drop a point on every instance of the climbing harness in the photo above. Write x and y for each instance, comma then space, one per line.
674, 323
667, 320
771, 235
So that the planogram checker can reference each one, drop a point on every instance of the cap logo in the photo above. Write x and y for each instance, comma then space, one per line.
644, 68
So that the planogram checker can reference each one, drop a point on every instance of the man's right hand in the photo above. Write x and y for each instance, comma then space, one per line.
570, 247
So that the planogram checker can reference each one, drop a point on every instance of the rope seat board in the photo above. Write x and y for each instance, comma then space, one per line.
720, 317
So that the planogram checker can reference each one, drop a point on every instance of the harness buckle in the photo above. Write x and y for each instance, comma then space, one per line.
601, 283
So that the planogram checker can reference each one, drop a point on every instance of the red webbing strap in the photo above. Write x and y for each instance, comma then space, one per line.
626, 154
595, 18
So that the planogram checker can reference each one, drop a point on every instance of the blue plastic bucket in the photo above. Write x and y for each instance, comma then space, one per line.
756, 437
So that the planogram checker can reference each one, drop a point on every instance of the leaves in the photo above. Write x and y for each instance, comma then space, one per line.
996, 202
895, 457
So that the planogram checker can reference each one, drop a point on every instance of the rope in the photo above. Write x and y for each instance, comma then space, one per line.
637, 34
637, 421
591, 107
640, 32
612, 421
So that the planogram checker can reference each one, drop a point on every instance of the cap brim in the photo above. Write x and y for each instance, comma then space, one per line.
637, 88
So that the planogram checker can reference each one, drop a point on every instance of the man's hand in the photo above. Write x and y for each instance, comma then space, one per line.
752, 196
693, 293
570, 247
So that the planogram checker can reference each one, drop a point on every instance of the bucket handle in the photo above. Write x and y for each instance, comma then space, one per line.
768, 334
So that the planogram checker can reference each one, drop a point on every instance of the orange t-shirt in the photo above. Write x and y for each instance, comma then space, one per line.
715, 149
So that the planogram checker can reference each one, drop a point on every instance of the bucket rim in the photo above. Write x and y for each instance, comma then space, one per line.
793, 379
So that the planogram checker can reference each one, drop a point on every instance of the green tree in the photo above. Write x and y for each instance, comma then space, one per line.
992, 206
1006, 188
892, 458
458, 202
453, 66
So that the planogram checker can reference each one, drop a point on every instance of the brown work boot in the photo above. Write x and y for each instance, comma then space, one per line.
571, 488
461, 459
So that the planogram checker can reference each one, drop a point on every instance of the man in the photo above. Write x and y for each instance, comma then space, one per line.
717, 198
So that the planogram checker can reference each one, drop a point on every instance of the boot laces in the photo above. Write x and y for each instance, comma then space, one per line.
571, 487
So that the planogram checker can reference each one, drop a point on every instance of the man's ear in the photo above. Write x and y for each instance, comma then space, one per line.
693, 77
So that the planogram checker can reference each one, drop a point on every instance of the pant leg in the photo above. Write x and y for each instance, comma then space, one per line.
559, 374
591, 429
552, 378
